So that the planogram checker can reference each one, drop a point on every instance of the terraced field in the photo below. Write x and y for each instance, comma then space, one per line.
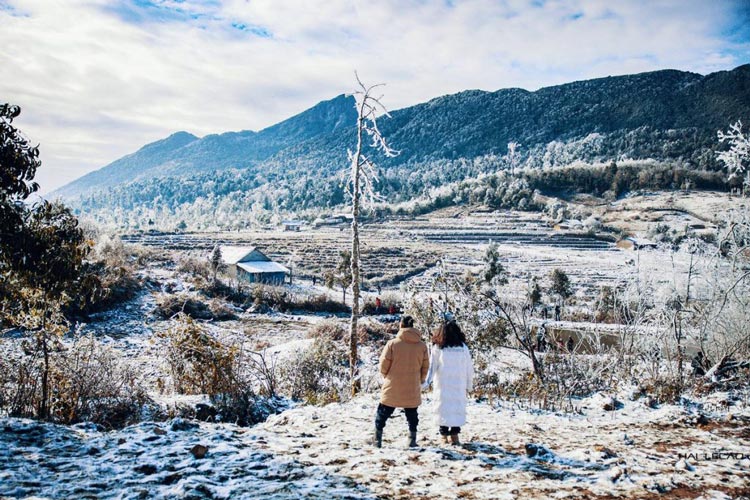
406, 249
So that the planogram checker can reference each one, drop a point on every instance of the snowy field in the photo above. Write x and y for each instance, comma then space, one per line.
697, 450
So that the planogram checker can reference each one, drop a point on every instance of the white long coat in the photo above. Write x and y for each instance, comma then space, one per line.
452, 372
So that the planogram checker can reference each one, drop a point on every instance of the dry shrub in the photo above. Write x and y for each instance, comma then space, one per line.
577, 375
228, 374
107, 278
194, 266
168, 306
282, 299
664, 390
220, 311
199, 364
218, 289
369, 332
319, 303
375, 333
328, 331
88, 382
317, 375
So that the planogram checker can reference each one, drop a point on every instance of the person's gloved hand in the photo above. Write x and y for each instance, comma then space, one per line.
425, 386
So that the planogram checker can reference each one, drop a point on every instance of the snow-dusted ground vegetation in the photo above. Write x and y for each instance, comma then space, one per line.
201, 390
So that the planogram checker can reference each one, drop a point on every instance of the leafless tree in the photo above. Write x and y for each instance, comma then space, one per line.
737, 157
513, 156
361, 187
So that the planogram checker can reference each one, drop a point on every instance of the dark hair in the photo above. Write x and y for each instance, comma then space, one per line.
407, 321
449, 335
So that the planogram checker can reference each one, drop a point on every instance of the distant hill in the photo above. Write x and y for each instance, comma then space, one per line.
668, 116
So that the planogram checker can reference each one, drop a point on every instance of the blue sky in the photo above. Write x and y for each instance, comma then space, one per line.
97, 79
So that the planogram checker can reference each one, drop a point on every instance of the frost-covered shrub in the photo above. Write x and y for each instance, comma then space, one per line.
87, 381
318, 303
228, 374
329, 331
195, 267
199, 364
318, 374
169, 305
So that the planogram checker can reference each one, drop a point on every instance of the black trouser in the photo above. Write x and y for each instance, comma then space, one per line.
449, 431
384, 413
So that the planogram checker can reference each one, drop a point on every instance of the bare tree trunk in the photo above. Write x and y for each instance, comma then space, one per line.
363, 175
353, 355
43, 406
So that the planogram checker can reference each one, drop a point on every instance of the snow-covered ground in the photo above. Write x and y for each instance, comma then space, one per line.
322, 452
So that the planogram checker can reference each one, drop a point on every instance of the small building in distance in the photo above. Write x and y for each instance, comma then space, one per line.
292, 225
251, 265
333, 220
633, 243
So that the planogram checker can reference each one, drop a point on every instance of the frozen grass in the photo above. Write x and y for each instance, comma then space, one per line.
322, 452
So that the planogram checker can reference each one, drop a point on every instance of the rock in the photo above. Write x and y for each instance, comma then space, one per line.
606, 452
171, 478
627, 440
538, 452
159, 431
702, 420
180, 424
612, 405
615, 474
146, 469
199, 451
205, 412
652, 403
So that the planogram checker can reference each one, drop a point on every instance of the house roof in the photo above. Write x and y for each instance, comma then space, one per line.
232, 255
262, 267
641, 242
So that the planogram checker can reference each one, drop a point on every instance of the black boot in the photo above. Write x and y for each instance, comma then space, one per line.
412, 439
378, 438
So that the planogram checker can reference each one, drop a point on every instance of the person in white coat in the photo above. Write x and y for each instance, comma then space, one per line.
452, 370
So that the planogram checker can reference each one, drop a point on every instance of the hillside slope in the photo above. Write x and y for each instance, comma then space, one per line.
668, 116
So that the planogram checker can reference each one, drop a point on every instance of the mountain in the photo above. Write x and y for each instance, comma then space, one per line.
183, 154
134, 166
667, 116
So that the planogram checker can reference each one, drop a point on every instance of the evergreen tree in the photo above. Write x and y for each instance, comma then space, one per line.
493, 271
216, 261
561, 285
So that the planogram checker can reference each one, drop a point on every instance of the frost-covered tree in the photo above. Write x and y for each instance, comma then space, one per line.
513, 157
561, 285
493, 271
216, 261
361, 188
342, 275
737, 157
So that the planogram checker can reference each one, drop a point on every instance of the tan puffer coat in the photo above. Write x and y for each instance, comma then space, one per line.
404, 364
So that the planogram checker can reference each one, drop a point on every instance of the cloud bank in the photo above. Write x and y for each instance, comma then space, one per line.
97, 79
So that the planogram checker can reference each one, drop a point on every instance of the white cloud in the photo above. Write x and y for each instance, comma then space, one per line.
97, 79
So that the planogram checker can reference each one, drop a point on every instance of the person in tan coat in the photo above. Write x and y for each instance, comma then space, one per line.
404, 363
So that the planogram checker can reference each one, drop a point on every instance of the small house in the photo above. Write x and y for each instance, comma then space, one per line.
334, 220
632, 243
292, 225
251, 265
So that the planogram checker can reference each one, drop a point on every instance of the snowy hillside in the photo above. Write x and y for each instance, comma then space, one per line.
321, 452
668, 116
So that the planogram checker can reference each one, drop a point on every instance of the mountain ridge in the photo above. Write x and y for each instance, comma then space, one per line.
666, 115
